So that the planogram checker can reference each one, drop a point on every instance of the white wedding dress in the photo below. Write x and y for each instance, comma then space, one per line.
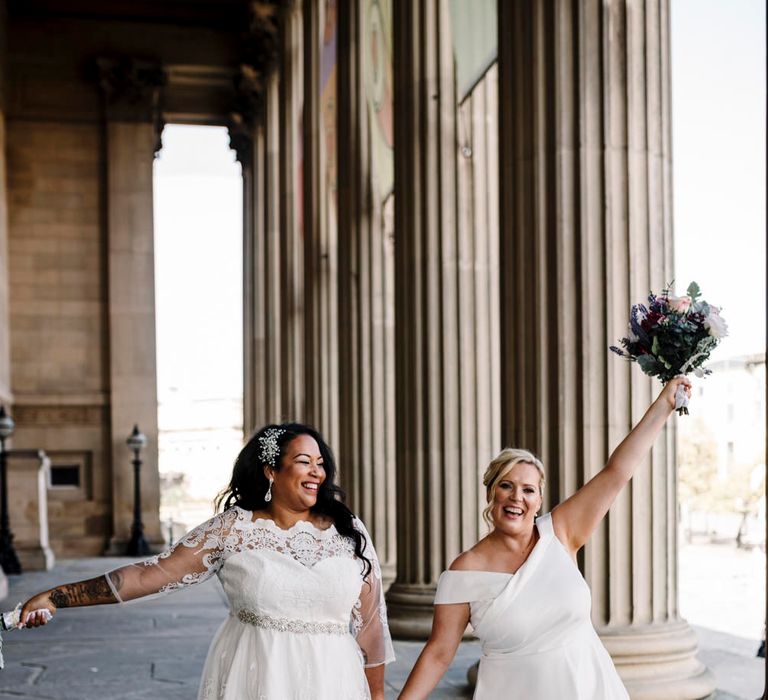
303, 622
535, 627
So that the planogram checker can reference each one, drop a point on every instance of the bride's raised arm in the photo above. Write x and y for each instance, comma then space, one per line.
193, 559
576, 518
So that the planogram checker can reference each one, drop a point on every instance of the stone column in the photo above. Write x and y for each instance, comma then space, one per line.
586, 231
366, 299
443, 368
6, 396
29, 476
241, 141
256, 375
321, 348
269, 320
5, 343
131, 92
255, 131
289, 191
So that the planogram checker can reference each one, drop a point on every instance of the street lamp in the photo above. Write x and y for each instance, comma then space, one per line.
137, 545
8, 559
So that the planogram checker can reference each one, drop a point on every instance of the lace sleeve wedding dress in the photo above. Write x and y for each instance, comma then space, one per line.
303, 621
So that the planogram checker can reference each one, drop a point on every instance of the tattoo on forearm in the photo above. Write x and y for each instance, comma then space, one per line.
95, 591
117, 580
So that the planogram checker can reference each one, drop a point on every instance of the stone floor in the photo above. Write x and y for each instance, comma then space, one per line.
154, 649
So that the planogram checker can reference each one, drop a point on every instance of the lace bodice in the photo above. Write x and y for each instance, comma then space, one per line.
283, 579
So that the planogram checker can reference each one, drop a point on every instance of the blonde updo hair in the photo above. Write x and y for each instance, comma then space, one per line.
498, 469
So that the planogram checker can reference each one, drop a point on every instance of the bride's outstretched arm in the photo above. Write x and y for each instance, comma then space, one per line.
194, 559
93, 591
577, 517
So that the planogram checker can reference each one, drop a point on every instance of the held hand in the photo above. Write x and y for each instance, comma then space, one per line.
667, 395
33, 612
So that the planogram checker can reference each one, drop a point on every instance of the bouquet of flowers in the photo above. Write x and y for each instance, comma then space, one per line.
673, 336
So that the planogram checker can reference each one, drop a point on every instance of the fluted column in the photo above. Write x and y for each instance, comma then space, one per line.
5, 345
443, 364
269, 100
320, 218
586, 231
258, 377
291, 98
131, 91
366, 294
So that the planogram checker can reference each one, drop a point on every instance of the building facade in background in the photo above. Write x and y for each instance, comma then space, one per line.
722, 455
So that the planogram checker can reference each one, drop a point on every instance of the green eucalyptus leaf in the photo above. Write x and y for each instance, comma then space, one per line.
648, 364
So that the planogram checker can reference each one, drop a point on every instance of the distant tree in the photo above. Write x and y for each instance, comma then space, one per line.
747, 482
697, 468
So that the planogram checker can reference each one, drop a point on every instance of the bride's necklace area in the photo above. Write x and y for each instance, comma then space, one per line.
517, 559
531, 544
289, 523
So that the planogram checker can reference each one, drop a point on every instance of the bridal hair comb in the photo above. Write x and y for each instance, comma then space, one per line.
269, 449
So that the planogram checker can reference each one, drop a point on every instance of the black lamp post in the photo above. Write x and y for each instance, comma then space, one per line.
8, 559
137, 545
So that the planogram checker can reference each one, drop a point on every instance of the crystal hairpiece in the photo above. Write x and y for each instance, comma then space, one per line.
269, 447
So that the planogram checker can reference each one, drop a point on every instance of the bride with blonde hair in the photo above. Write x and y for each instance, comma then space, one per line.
519, 586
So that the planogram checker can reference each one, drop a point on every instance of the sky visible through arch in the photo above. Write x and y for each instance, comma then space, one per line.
198, 254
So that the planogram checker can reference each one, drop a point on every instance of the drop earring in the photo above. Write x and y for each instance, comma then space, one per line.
268, 494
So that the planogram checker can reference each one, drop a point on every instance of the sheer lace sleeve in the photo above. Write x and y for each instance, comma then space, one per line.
369, 616
193, 559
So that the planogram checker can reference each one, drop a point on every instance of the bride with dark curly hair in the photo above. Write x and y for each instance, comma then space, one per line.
307, 617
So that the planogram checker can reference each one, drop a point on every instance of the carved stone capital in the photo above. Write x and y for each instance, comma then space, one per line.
259, 52
241, 138
132, 90
249, 101
261, 42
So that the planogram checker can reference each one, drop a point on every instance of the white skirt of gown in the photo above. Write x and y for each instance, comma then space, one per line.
252, 663
306, 616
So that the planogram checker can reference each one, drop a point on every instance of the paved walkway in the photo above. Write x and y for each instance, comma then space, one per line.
154, 649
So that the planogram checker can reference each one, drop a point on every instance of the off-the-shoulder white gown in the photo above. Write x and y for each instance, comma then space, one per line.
538, 639
303, 621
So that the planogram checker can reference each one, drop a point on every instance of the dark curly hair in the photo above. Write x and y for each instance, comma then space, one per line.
249, 484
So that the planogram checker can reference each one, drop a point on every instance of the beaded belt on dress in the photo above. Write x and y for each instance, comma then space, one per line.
284, 624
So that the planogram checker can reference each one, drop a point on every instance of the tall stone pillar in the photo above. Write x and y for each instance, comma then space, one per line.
586, 231
321, 345
273, 321
5, 341
366, 294
242, 142
5, 344
442, 366
131, 92
287, 116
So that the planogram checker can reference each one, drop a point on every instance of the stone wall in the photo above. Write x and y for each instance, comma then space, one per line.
59, 360
77, 269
